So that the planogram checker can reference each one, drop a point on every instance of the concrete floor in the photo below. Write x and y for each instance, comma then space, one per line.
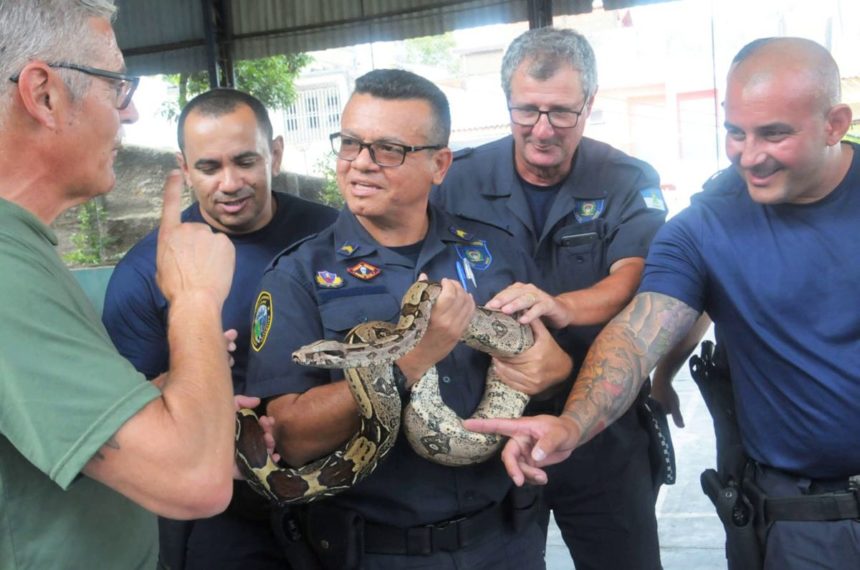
691, 536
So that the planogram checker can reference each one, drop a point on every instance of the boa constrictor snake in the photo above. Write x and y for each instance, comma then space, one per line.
433, 430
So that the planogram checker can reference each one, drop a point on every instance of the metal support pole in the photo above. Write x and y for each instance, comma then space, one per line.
540, 13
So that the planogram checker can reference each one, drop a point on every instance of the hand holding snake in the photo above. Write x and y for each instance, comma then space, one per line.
366, 356
530, 302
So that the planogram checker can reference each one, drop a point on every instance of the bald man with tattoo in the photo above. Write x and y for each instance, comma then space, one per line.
769, 251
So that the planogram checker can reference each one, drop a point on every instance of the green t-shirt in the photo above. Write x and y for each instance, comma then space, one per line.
64, 391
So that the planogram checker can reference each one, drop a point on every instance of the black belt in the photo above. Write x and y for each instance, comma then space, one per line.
832, 500
446, 536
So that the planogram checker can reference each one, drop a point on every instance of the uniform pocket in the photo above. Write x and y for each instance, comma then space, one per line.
341, 314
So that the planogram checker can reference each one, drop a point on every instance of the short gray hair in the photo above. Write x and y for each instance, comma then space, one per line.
48, 30
547, 49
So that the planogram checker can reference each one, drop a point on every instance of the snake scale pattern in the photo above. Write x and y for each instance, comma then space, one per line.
433, 430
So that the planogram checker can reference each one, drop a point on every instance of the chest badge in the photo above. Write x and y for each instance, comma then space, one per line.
364, 271
476, 253
262, 320
329, 280
587, 210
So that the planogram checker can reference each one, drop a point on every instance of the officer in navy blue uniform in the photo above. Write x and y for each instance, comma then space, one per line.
228, 156
586, 212
391, 148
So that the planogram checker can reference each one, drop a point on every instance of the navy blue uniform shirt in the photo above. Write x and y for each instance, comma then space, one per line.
135, 311
342, 277
608, 208
780, 283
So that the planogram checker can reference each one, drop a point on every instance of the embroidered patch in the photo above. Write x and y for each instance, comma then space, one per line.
476, 253
263, 315
461, 233
347, 249
653, 199
364, 270
329, 280
587, 210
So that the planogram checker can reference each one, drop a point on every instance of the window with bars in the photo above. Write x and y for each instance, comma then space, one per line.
314, 114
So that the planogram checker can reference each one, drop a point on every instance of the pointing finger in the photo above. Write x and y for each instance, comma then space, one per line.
170, 214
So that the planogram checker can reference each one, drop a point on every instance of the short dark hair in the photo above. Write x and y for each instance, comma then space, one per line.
400, 84
222, 101
751, 48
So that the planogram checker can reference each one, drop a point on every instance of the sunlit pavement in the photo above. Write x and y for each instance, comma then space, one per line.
691, 536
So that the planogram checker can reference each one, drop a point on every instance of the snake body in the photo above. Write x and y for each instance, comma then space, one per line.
379, 406
433, 430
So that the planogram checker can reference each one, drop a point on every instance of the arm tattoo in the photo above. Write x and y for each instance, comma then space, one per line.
621, 358
111, 443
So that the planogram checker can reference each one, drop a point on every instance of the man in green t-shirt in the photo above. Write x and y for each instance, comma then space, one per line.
87, 445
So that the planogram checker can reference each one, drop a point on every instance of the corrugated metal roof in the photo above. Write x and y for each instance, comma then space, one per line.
168, 36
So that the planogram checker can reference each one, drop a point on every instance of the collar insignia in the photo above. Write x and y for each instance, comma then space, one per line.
461, 233
347, 249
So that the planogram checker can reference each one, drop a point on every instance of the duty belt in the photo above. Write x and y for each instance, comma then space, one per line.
446, 536
826, 505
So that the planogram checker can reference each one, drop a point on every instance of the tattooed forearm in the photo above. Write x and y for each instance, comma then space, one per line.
621, 358
111, 443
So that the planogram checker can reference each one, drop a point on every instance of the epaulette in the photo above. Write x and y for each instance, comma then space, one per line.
463, 152
289, 249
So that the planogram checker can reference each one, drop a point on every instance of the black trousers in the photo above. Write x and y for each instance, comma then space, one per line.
602, 498
806, 545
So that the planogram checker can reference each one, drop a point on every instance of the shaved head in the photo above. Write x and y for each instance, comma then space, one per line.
784, 121
808, 64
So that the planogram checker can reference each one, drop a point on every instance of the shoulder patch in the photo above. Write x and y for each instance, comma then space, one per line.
263, 315
653, 198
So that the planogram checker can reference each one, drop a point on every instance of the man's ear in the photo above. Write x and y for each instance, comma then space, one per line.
42, 93
183, 166
838, 122
590, 104
277, 154
442, 160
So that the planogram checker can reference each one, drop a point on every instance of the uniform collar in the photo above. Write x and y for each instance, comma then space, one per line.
506, 180
351, 240
17, 218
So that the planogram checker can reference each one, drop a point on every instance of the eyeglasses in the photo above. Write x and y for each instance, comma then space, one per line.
382, 153
125, 85
558, 118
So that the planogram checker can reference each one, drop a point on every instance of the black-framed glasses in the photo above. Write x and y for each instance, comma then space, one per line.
125, 84
382, 153
558, 118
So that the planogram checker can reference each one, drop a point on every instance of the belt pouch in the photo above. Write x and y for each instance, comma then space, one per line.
336, 535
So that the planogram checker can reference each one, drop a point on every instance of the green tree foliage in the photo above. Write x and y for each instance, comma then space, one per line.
330, 194
433, 50
269, 79
91, 240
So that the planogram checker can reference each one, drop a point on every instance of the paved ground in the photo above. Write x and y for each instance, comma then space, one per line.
691, 536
